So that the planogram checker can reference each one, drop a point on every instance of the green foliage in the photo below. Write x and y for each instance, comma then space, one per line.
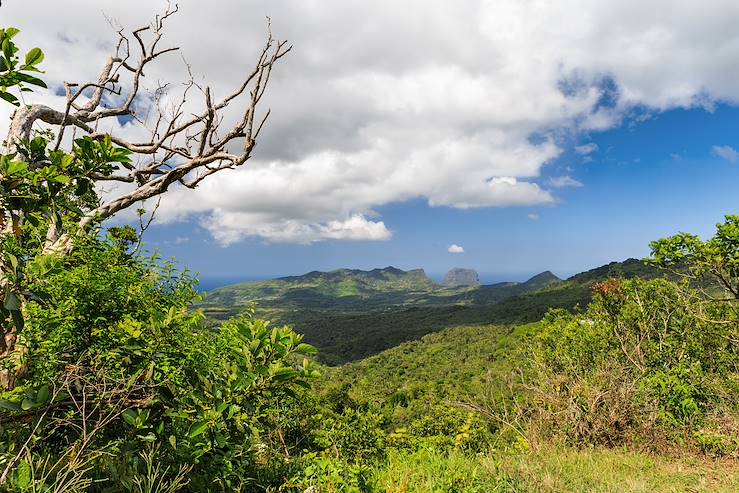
444, 427
329, 474
717, 257
391, 306
13, 71
422, 377
115, 311
646, 355
116, 331
42, 188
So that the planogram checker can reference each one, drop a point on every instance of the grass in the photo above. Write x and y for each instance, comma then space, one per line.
346, 287
554, 471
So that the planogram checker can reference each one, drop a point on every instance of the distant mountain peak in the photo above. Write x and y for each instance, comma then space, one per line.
461, 277
543, 279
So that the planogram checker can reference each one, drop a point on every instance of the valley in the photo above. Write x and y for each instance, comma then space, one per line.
351, 314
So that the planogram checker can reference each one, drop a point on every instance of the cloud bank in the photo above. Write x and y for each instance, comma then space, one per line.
460, 104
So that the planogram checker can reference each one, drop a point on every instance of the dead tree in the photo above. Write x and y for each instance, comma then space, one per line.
182, 149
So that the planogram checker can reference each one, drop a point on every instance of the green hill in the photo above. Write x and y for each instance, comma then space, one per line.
348, 290
352, 314
418, 386
339, 290
451, 364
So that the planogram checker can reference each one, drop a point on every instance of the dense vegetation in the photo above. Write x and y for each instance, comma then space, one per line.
112, 382
357, 291
124, 388
386, 307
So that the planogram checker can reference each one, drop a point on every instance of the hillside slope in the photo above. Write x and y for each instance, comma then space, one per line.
340, 290
416, 375
350, 314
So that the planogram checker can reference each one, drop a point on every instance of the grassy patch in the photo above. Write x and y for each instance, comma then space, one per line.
554, 471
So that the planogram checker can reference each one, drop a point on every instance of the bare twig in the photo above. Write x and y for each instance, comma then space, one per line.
182, 150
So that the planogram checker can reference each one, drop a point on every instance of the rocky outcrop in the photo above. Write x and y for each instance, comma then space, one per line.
461, 277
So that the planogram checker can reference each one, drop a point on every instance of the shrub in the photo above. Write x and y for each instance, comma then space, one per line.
642, 357
115, 363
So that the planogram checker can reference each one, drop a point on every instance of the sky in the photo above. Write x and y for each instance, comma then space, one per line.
508, 136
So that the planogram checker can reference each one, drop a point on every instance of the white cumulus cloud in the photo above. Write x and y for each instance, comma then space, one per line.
455, 249
726, 152
461, 104
228, 228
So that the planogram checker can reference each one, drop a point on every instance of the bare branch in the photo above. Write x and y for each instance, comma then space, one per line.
181, 150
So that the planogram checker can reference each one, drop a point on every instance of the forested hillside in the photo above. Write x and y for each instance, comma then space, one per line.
350, 314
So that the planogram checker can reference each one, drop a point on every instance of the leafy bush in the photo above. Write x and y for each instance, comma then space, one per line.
114, 362
648, 362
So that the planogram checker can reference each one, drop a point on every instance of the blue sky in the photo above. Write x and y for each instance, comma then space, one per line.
649, 178
532, 135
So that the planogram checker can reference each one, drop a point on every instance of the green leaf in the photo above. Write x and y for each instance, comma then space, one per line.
304, 348
34, 56
173, 441
16, 167
18, 319
10, 406
12, 302
13, 261
30, 79
198, 429
23, 474
7, 47
9, 98
43, 395
10, 32
149, 437
27, 404
129, 416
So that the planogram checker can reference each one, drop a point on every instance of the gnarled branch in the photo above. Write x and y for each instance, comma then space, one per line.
181, 150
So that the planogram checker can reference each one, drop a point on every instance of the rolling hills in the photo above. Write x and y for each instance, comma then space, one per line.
351, 314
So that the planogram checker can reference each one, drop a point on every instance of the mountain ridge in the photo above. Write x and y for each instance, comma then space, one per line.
350, 314
419, 271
